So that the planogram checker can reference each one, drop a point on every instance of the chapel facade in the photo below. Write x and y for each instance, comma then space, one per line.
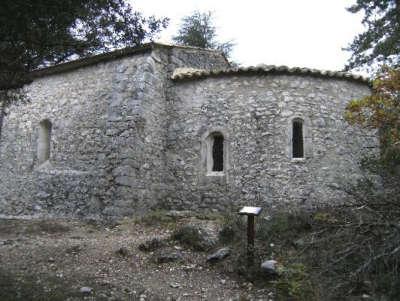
172, 127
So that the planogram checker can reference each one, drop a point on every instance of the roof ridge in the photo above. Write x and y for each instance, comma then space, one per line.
262, 68
106, 56
161, 44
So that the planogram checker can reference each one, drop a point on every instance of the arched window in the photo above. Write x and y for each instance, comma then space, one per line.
297, 138
217, 152
44, 139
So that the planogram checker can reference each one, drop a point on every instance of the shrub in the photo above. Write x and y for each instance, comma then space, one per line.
157, 218
194, 237
233, 228
294, 283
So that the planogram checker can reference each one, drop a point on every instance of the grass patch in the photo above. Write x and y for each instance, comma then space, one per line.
324, 254
157, 218
193, 237
32, 227
294, 283
233, 229
276, 238
26, 287
47, 226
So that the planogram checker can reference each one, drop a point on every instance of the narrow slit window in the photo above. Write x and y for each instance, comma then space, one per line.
44, 140
218, 153
297, 139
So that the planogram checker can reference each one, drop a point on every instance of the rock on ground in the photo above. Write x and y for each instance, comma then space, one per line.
219, 255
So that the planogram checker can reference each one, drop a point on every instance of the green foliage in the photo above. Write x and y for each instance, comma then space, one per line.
157, 218
328, 253
41, 33
37, 33
275, 239
36, 227
381, 110
294, 283
284, 227
324, 217
233, 228
197, 30
380, 43
36, 286
366, 237
188, 236
193, 237
357, 248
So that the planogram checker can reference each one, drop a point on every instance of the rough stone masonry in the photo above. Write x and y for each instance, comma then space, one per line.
176, 127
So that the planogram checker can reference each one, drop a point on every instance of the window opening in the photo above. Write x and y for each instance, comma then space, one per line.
44, 141
218, 153
297, 139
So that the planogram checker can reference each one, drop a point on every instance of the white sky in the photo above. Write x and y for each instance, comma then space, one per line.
301, 33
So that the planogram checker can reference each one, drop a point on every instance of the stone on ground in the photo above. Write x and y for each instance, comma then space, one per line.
168, 256
269, 267
219, 255
151, 244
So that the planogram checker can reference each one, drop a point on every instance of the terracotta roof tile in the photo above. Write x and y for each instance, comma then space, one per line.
181, 74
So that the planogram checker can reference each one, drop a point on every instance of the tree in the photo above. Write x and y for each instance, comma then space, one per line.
370, 239
380, 43
40, 33
381, 110
198, 30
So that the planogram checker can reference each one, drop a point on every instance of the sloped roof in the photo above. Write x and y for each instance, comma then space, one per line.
182, 74
108, 56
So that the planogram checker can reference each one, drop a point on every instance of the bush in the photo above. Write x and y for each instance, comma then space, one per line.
284, 227
194, 237
157, 218
294, 282
233, 229
356, 247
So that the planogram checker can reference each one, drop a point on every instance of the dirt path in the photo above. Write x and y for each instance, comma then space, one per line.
74, 260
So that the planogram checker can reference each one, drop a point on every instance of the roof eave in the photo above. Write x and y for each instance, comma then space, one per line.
265, 70
109, 56
92, 60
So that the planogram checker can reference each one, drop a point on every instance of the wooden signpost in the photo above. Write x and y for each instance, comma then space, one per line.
251, 212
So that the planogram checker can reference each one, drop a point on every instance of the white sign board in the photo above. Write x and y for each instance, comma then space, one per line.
247, 210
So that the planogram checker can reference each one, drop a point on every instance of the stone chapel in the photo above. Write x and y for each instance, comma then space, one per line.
162, 126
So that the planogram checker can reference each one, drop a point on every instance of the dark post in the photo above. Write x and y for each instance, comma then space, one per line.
250, 238
251, 212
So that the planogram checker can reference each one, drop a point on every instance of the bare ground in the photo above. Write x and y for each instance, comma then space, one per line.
55, 259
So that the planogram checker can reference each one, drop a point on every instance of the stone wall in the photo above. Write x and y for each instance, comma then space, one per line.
137, 127
75, 105
108, 131
125, 138
255, 114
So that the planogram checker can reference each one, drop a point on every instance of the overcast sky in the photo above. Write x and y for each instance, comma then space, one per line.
307, 33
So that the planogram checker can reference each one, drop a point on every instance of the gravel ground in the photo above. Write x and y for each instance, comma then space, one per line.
77, 260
